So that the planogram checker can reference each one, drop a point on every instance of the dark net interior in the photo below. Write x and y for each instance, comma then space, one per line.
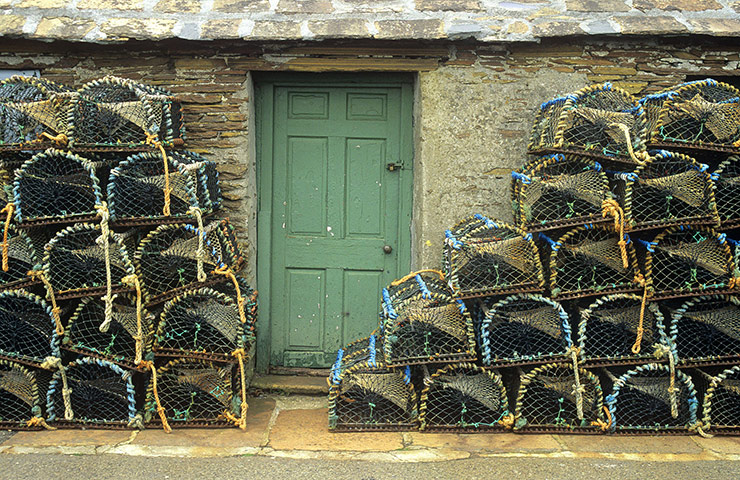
722, 400
100, 392
28, 109
548, 396
707, 328
669, 189
19, 395
208, 189
27, 328
55, 184
524, 328
463, 396
685, 260
490, 258
609, 327
545, 128
727, 191
22, 257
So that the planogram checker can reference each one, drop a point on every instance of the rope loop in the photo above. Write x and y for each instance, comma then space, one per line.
132, 280
55, 310
160, 409
201, 252
61, 140
507, 421
153, 139
578, 389
640, 280
240, 354
226, 271
8, 210
611, 208
39, 422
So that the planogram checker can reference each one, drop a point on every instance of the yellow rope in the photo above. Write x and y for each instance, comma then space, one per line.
200, 253
699, 428
39, 422
224, 270
413, 274
160, 408
640, 279
240, 354
605, 426
660, 352
8, 210
507, 421
56, 362
734, 283
578, 389
105, 245
133, 281
61, 139
611, 208
639, 158
55, 310
152, 139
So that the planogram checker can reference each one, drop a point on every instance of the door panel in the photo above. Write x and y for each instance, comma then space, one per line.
332, 205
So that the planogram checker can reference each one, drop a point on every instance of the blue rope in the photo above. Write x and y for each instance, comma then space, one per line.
371, 349
461, 305
425, 293
387, 306
553, 244
649, 245
521, 177
456, 244
554, 101
335, 369
407, 374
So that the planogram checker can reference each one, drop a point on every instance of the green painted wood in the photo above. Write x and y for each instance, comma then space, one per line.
330, 205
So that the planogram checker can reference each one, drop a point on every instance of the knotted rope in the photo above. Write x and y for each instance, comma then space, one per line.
413, 274
240, 354
640, 280
226, 271
640, 157
61, 140
56, 362
160, 408
152, 139
507, 421
8, 210
578, 389
699, 428
660, 352
103, 242
39, 422
604, 426
201, 252
611, 208
55, 310
133, 281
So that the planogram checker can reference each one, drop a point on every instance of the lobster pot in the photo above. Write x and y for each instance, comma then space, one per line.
415, 287
121, 113
208, 189
707, 329
560, 191
19, 396
249, 300
641, 400
202, 323
702, 115
136, 189
27, 328
549, 398
364, 394
56, 186
367, 350
436, 329
29, 108
608, 330
232, 252
727, 192
117, 343
669, 189
75, 261
168, 258
689, 260
22, 258
524, 329
589, 261
485, 258
194, 392
463, 397
101, 393
600, 120
721, 412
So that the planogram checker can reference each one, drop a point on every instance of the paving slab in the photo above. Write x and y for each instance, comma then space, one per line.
307, 430
294, 384
723, 445
70, 438
258, 420
500, 442
622, 444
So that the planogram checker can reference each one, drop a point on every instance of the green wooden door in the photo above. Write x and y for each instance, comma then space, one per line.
336, 207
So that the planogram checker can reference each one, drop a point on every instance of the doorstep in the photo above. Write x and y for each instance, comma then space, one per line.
291, 384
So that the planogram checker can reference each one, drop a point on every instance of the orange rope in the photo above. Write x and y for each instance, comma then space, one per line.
224, 270
639, 279
413, 274
55, 310
60, 139
611, 208
602, 424
8, 209
160, 408
152, 139
39, 422
240, 354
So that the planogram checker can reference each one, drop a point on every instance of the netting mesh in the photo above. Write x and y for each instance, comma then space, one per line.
485, 258
727, 191
136, 188
118, 342
524, 328
553, 396
203, 321
27, 328
100, 392
641, 399
701, 114
684, 260
364, 394
600, 120
114, 112
669, 189
22, 257
707, 328
55, 185
29, 108
463, 396
591, 260
207, 185
560, 190
232, 250
611, 329
193, 391
19, 395
75, 259
722, 400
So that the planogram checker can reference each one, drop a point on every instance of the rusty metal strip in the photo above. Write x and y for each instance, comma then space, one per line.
443, 358
195, 423
610, 362
566, 223
214, 357
594, 293
555, 430
709, 362
660, 224
121, 363
170, 294
459, 429
87, 425
504, 291
19, 427
361, 427
693, 147
91, 292
666, 295
68, 220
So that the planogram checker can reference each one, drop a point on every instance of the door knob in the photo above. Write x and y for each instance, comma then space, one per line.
387, 248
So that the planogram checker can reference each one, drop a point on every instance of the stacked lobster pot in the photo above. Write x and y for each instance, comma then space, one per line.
120, 296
